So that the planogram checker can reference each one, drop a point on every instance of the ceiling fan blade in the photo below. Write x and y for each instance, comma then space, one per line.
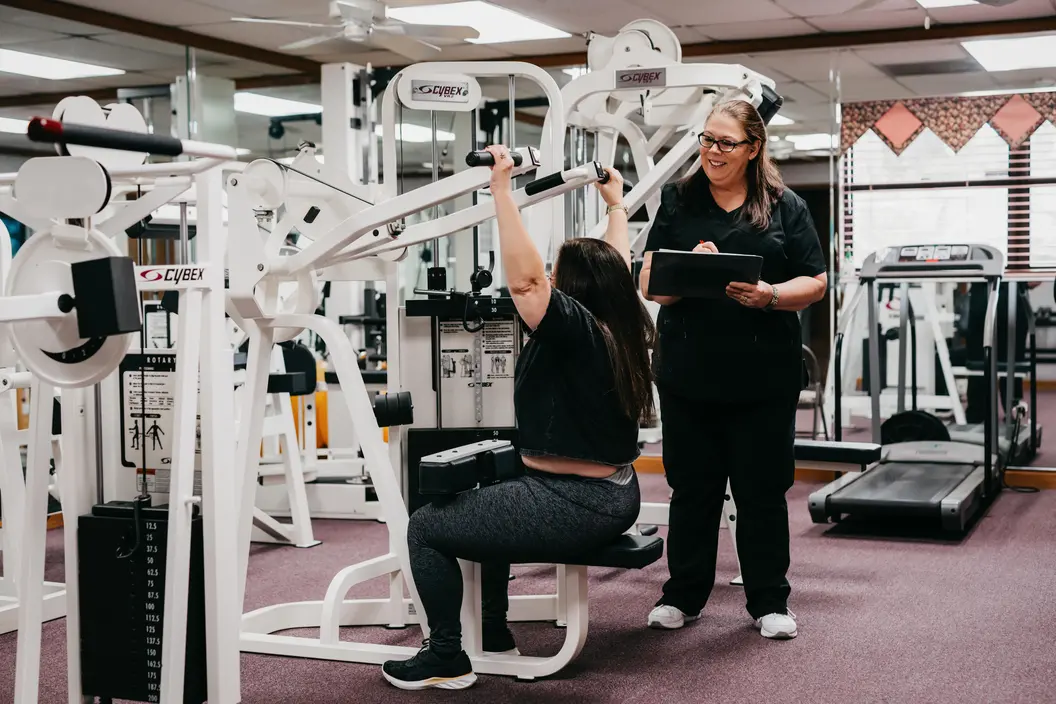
311, 41
289, 23
432, 31
360, 11
404, 46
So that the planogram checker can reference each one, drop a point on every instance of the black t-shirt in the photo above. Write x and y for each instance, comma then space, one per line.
719, 349
565, 392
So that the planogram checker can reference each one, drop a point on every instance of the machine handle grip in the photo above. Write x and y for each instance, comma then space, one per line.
43, 129
556, 179
484, 158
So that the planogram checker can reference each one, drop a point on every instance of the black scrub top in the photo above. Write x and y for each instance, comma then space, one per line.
718, 349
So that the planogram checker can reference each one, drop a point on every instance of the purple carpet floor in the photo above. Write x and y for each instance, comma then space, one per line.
880, 621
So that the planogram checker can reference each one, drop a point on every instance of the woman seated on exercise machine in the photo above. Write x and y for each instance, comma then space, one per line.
583, 383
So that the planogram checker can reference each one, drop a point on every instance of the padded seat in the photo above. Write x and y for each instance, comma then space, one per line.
631, 552
371, 376
292, 383
856, 453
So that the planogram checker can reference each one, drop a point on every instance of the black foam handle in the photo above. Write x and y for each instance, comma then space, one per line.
544, 184
485, 158
43, 129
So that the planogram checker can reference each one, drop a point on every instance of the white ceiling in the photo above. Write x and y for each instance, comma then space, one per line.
803, 77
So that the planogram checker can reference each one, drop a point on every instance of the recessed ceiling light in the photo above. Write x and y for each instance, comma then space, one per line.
1014, 53
495, 24
933, 4
268, 106
419, 133
780, 121
49, 67
13, 126
576, 71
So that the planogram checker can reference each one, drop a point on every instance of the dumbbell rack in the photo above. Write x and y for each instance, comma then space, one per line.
121, 614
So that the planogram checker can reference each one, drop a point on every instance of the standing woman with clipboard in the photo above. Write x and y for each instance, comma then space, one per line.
729, 370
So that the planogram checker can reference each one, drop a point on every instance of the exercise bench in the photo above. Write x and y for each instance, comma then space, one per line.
481, 463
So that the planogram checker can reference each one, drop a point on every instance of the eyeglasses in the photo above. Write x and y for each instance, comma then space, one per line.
725, 145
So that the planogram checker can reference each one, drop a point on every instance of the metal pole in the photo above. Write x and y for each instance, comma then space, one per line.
473, 122
436, 177
1010, 356
874, 361
512, 118
903, 343
184, 254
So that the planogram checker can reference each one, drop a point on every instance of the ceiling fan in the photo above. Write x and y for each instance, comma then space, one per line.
366, 21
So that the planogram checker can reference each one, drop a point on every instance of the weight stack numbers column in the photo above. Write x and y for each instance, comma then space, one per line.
122, 579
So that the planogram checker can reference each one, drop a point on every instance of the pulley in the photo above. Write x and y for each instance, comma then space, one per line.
96, 294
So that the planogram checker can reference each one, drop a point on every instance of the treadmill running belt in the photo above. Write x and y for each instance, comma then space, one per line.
906, 486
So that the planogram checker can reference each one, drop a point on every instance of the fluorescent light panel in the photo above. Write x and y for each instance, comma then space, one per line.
1006, 91
812, 142
933, 4
780, 121
1013, 54
268, 106
495, 24
13, 126
49, 67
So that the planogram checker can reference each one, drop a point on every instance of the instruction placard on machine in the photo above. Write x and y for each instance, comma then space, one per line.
148, 386
477, 366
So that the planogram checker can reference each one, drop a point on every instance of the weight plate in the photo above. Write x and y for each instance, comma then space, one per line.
52, 349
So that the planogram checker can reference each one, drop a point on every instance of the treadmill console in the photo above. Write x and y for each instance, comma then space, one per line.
931, 253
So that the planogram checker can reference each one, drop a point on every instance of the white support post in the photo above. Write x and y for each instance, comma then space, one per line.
34, 533
181, 492
223, 605
77, 499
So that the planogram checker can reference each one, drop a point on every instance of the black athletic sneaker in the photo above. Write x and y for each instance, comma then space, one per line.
498, 640
427, 669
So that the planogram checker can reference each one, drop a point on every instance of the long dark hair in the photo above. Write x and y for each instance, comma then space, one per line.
595, 274
765, 185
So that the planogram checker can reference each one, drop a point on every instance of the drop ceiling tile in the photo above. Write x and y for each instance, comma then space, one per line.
864, 21
912, 53
266, 36
755, 63
1020, 9
13, 35
89, 50
1027, 78
823, 8
167, 12
803, 94
871, 89
301, 9
708, 12
537, 48
689, 35
731, 31
135, 41
576, 16
9, 16
949, 84
814, 66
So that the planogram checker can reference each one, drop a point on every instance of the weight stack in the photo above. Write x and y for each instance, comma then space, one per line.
122, 602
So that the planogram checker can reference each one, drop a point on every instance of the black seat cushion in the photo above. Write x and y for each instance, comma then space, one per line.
627, 551
859, 453
292, 383
370, 376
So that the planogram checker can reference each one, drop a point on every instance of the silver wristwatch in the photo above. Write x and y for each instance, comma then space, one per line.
773, 299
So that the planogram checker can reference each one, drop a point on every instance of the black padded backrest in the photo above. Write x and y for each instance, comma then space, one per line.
299, 358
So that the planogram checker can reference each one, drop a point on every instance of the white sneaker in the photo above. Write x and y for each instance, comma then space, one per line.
777, 626
670, 617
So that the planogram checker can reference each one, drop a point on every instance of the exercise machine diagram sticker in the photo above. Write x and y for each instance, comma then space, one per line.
148, 390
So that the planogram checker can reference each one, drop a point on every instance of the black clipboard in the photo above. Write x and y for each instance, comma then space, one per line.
700, 274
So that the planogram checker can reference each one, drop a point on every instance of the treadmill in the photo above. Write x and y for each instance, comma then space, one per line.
948, 482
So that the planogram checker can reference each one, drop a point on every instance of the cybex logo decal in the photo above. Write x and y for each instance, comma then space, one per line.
440, 91
641, 77
174, 274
